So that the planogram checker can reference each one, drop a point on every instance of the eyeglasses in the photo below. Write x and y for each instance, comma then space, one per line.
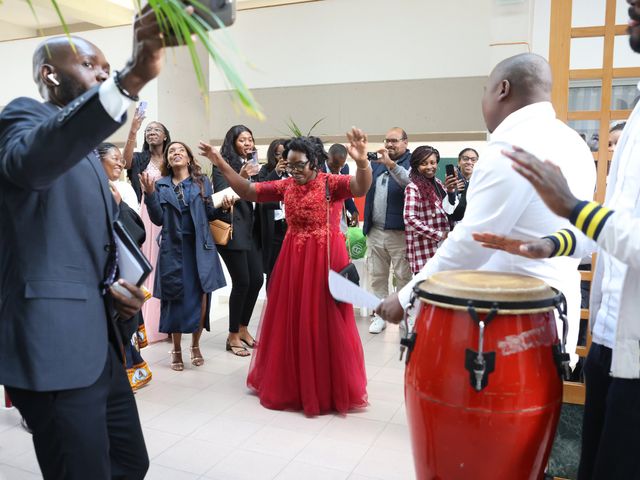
393, 141
298, 167
154, 130
464, 158
179, 191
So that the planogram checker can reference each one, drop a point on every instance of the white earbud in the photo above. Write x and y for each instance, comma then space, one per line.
54, 80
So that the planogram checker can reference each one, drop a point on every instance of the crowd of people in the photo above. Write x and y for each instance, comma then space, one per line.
60, 262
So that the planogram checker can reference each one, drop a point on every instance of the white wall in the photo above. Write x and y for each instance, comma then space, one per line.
345, 41
114, 42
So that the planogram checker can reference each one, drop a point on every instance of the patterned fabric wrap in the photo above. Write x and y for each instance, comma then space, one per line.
425, 225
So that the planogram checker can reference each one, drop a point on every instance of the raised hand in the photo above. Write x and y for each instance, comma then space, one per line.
385, 159
210, 152
147, 182
249, 170
148, 55
281, 166
451, 183
137, 120
358, 144
546, 177
539, 248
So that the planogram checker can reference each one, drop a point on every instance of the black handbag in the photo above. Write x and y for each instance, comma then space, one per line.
349, 272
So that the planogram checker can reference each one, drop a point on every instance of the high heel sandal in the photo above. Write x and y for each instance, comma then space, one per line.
196, 357
237, 350
176, 360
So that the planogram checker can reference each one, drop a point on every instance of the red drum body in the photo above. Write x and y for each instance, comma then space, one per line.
499, 421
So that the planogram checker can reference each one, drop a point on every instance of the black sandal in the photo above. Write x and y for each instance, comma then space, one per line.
237, 350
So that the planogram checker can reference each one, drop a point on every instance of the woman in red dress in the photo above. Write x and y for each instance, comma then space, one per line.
308, 355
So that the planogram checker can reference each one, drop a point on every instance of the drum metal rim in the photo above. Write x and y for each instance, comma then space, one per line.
485, 306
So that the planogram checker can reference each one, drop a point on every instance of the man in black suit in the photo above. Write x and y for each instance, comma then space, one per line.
60, 353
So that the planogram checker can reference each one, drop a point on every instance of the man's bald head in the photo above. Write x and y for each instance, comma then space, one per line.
514, 83
64, 70
528, 73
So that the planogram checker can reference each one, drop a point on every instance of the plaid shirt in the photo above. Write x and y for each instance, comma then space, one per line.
425, 226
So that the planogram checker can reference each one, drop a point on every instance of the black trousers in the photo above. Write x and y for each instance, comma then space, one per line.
279, 231
92, 432
245, 269
611, 425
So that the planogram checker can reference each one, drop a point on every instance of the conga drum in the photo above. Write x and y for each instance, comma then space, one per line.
482, 383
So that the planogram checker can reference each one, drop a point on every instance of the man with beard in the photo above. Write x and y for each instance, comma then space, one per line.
60, 351
383, 220
517, 109
611, 422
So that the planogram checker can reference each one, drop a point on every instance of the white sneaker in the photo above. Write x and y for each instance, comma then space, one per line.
377, 325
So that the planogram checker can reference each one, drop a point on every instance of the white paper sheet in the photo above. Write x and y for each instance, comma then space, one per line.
345, 291
218, 196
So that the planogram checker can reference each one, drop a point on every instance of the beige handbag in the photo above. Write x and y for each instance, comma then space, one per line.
221, 231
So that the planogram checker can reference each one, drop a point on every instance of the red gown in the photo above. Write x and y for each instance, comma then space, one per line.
308, 353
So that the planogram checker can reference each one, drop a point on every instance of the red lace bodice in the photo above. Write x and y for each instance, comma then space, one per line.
305, 205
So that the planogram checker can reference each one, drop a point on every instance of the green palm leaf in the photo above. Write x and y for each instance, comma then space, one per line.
174, 21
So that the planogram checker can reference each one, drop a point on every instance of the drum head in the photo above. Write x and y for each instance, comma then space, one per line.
508, 291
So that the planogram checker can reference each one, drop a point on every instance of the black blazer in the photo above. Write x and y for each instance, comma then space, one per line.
246, 219
56, 213
267, 219
139, 163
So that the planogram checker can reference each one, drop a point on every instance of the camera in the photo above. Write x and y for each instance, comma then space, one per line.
372, 156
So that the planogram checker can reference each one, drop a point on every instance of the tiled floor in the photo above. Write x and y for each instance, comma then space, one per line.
204, 423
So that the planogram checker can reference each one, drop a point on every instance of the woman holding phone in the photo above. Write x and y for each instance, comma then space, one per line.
467, 159
242, 254
150, 161
425, 216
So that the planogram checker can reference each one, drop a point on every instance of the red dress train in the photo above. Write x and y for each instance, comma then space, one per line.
308, 354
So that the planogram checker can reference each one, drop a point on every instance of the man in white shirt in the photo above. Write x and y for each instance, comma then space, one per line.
517, 111
611, 422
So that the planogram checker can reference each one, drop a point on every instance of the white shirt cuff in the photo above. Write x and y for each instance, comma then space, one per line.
112, 100
404, 295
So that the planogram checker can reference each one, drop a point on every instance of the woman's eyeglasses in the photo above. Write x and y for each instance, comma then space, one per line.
296, 167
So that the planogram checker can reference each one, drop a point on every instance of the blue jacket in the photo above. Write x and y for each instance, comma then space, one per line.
395, 197
164, 211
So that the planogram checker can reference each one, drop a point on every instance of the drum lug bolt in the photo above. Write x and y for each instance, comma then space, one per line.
480, 364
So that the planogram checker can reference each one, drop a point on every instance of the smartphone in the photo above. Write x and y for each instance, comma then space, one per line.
254, 158
372, 156
142, 108
224, 10
449, 169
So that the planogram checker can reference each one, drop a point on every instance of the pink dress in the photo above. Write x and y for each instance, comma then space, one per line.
151, 308
308, 354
